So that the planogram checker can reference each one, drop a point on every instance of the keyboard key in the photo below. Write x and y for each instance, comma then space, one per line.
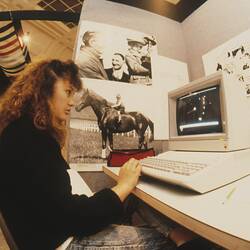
176, 167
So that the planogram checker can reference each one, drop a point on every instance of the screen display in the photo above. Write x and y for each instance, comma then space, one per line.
199, 112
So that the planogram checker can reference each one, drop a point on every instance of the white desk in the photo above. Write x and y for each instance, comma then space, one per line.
78, 184
225, 223
78, 187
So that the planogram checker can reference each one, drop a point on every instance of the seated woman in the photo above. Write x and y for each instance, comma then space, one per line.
36, 199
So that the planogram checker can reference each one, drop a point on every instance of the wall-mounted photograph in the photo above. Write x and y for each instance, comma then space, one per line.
233, 57
112, 53
99, 124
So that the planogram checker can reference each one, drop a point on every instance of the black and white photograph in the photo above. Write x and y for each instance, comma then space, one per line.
232, 57
112, 53
236, 61
248, 89
99, 124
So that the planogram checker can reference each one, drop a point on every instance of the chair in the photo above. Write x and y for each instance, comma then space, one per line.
7, 234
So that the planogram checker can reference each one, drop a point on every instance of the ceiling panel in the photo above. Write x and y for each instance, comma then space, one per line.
74, 6
177, 10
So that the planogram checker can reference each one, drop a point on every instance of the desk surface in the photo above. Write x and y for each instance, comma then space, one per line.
221, 216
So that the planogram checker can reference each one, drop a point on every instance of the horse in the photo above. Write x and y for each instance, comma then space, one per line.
107, 118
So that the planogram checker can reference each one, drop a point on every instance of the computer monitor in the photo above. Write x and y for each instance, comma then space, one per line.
209, 114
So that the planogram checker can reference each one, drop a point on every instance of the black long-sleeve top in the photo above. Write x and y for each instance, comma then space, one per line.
35, 191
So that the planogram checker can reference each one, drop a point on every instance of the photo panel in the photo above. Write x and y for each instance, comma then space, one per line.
124, 102
233, 57
112, 53
94, 119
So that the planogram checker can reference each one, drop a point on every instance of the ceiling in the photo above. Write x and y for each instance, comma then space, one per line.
177, 10
73, 6
48, 39
56, 39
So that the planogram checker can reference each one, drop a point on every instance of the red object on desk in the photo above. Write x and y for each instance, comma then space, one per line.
117, 158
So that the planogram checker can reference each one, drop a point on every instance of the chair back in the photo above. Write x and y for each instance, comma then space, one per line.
7, 234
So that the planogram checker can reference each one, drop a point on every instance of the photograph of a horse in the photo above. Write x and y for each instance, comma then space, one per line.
107, 119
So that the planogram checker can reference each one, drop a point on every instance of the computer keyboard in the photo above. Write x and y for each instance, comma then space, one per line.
198, 171
176, 167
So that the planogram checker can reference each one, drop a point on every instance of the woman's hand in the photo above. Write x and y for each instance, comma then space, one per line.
128, 178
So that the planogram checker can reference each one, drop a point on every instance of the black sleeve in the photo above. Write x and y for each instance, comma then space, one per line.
90, 215
81, 215
44, 190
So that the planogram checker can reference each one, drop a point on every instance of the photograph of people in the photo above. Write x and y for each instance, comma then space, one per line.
139, 73
90, 56
36, 194
118, 70
147, 50
113, 53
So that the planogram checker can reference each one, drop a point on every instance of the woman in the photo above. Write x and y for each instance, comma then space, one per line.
35, 190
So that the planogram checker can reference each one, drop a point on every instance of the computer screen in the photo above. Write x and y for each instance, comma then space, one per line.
209, 114
199, 112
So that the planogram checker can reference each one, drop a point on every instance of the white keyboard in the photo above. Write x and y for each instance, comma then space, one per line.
176, 167
199, 171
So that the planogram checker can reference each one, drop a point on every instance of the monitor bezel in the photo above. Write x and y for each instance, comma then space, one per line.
212, 80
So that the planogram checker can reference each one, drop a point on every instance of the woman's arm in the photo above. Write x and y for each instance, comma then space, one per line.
128, 178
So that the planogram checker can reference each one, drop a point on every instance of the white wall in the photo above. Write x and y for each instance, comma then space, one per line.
212, 24
169, 35
150, 100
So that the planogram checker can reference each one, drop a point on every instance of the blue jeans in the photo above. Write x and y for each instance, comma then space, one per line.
122, 237
150, 233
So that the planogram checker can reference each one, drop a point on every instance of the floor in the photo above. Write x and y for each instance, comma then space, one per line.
3, 244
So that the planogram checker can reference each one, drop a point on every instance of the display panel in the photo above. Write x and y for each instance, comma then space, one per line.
199, 112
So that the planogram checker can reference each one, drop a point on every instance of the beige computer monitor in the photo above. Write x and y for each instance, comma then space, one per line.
232, 129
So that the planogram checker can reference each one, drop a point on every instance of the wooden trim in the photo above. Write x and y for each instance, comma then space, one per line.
7, 234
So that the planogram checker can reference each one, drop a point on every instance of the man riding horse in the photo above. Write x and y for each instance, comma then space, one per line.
107, 118
119, 107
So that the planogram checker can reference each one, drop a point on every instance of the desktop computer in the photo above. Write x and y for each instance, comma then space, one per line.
209, 135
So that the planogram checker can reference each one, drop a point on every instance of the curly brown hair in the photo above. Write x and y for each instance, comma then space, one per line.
30, 93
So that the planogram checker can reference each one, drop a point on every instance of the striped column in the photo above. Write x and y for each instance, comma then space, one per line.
13, 52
